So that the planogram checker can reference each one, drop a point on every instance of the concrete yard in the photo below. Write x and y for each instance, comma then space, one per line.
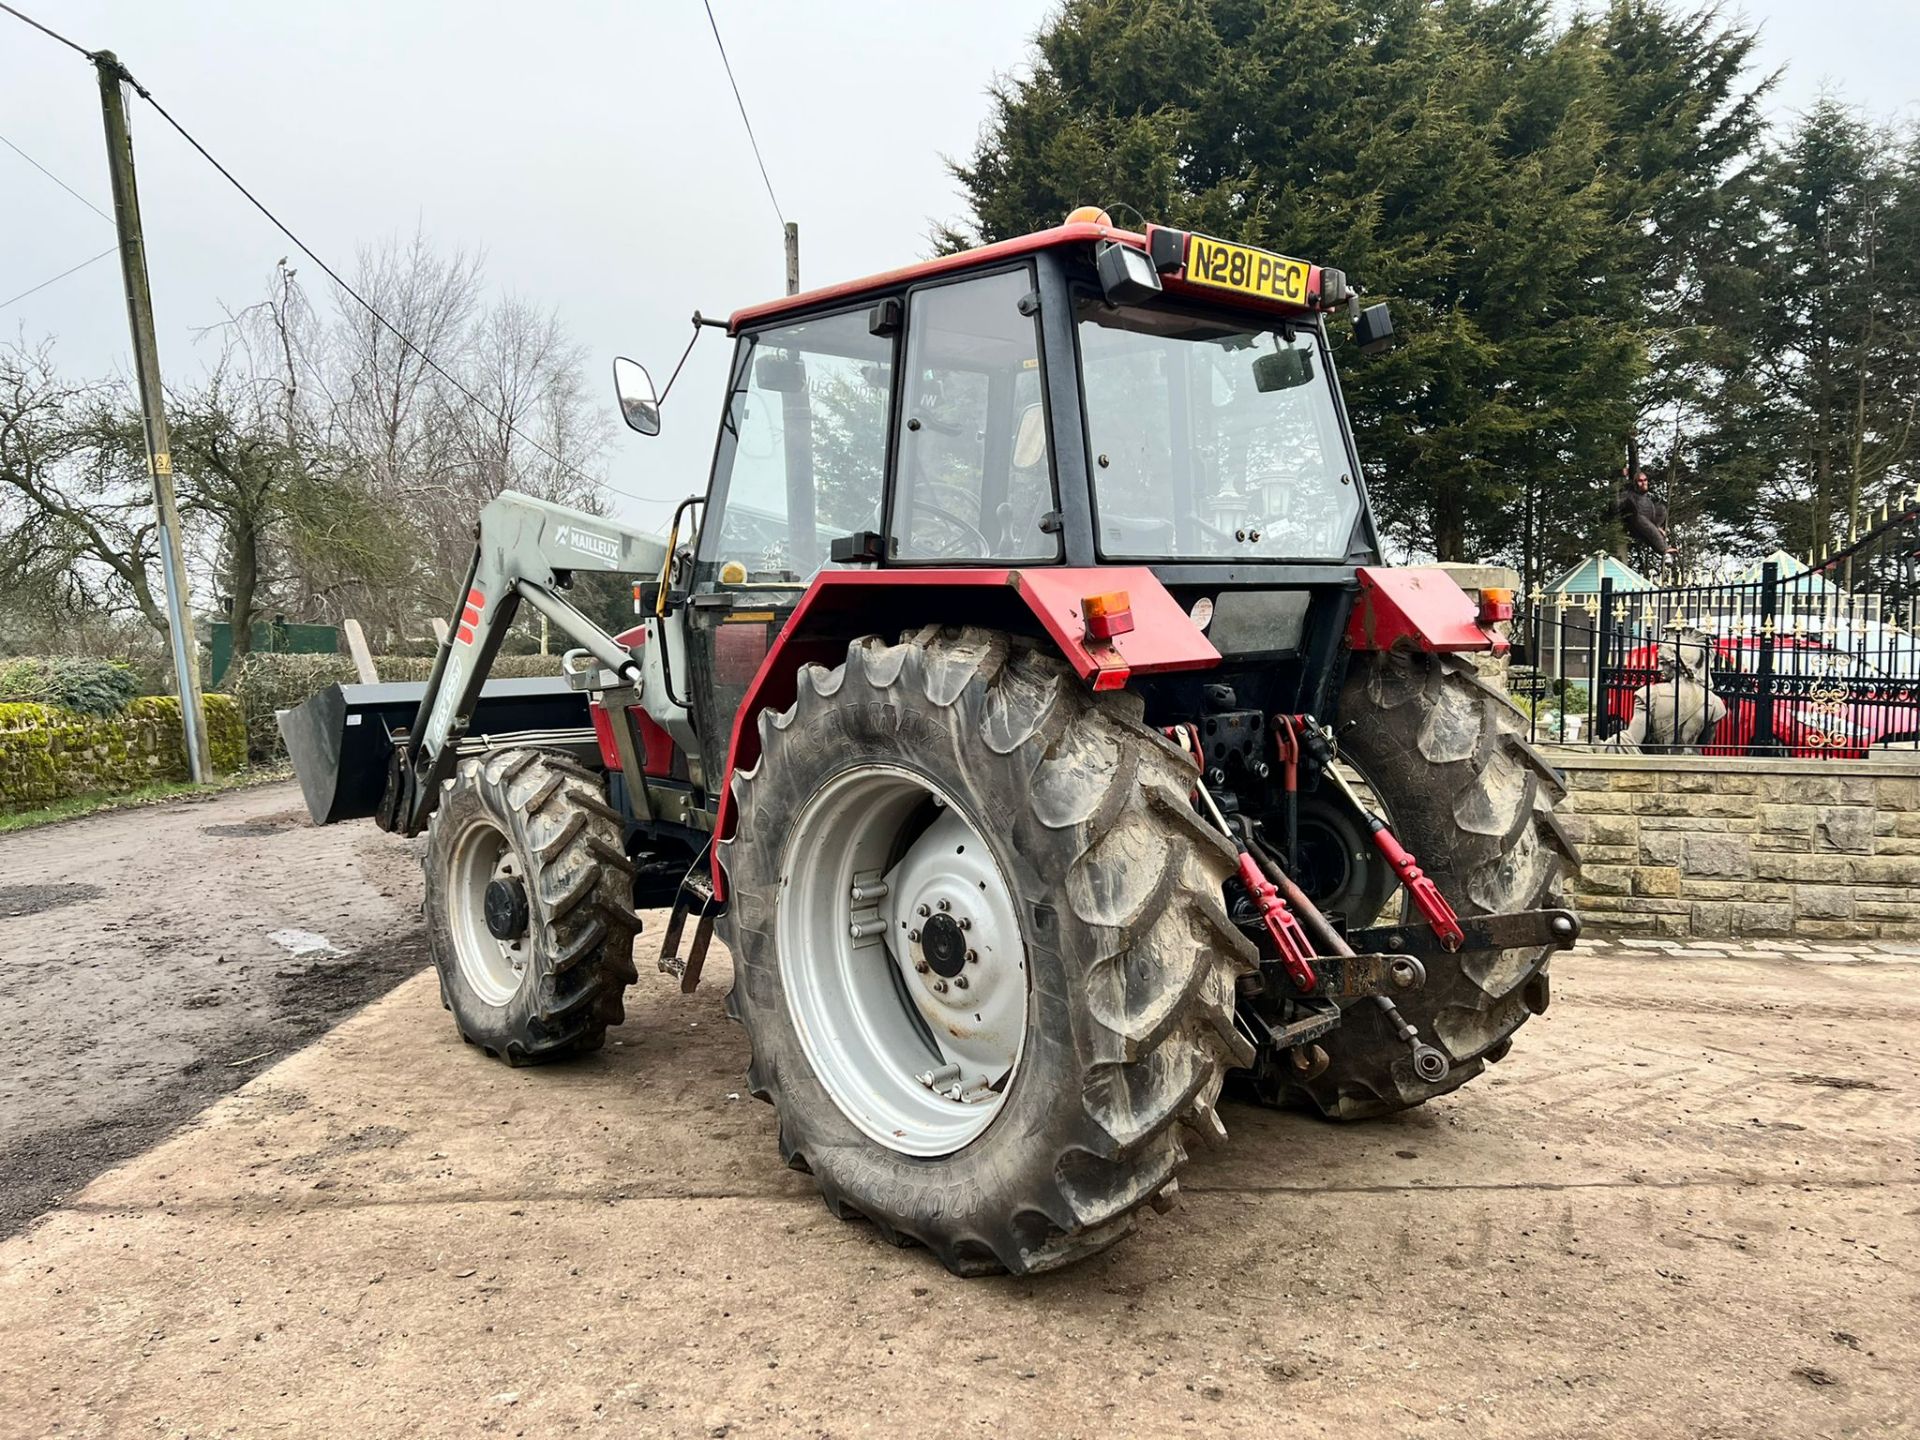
1687, 1205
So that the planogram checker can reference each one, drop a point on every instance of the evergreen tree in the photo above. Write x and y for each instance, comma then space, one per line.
1842, 343
1554, 215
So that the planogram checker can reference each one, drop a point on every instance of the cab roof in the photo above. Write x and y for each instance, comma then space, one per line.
1079, 232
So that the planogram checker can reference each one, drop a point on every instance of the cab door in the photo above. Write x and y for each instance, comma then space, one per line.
973, 479
802, 453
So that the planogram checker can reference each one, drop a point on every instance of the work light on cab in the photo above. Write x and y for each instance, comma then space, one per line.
1126, 274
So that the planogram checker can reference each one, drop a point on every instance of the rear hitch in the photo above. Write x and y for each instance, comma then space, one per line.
1352, 977
1521, 930
1429, 1062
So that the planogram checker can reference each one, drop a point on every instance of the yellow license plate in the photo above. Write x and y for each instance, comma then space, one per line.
1223, 265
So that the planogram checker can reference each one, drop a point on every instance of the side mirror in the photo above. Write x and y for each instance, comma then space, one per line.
639, 403
1373, 330
1283, 370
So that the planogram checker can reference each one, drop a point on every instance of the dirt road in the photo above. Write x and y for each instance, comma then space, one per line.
141, 977
1687, 1205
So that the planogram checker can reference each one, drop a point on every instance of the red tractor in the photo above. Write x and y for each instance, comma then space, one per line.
1027, 707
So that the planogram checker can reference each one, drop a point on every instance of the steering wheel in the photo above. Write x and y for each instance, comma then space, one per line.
966, 540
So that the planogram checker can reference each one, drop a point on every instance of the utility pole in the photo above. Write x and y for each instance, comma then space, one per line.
146, 354
793, 258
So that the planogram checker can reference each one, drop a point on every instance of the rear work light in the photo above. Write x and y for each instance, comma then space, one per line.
1107, 615
1126, 274
1496, 605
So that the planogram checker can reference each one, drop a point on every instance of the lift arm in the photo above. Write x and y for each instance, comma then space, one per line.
524, 550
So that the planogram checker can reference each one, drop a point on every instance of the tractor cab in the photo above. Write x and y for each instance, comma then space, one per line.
1081, 397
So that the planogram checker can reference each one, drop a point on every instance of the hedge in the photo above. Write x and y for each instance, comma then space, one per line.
47, 753
74, 682
263, 683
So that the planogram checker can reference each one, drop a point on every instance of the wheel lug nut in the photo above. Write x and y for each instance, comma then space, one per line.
973, 957
965, 923
940, 987
945, 904
922, 911
921, 966
959, 982
913, 937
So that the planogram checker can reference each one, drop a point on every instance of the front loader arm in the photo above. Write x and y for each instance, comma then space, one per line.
524, 550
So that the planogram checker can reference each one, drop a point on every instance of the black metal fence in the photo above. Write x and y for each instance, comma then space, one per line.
1793, 664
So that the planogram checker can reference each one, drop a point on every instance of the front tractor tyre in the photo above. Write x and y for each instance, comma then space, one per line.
529, 906
1464, 791
980, 949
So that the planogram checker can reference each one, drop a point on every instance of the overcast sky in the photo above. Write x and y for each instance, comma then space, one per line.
591, 149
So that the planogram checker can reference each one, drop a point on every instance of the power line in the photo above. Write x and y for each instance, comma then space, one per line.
61, 276
330, 272
56, 179
743, 113
367, 305
72, 45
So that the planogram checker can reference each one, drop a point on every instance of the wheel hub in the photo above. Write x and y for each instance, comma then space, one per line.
506, 909
488, 912
945, 946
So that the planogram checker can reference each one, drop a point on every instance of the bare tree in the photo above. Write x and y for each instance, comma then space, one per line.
389, 402
326, 468
76, 515
435, 449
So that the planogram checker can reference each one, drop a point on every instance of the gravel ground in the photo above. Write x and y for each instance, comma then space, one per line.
140, 979
1687, 1205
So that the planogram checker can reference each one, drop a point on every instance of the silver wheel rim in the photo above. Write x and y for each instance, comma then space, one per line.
902, 960
491, 967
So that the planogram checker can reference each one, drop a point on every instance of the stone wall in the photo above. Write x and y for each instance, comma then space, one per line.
47, 753
1711, 847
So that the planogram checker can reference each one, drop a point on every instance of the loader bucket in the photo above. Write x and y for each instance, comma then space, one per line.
340, 739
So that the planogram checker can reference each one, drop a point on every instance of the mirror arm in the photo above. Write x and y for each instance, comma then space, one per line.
699, 321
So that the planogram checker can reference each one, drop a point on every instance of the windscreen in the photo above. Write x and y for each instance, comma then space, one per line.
1210, 440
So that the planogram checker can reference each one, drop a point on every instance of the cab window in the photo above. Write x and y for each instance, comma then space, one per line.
802, 449
974, 479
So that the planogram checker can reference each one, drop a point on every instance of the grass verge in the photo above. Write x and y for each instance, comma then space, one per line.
73, 807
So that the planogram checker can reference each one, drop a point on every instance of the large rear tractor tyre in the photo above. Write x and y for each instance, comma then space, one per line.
1474, 802
997, 1056
528, 907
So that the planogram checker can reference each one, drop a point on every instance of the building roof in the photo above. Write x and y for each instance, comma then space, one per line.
1795, 574
1585, 578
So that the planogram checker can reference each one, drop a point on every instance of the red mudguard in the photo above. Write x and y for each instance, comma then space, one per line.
1418, 604
842, 604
